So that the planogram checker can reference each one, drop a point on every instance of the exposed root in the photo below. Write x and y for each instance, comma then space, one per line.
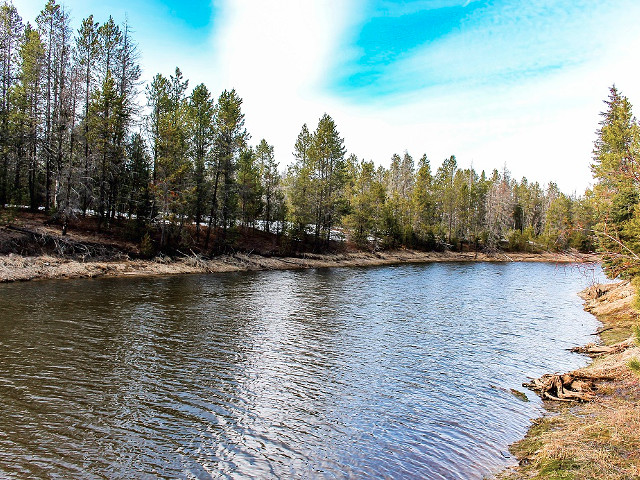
563, 388
60, 245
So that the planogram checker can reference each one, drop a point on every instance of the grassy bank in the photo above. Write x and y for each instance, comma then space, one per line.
599, 439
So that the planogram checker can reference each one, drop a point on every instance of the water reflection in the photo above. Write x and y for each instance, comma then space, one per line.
397, 372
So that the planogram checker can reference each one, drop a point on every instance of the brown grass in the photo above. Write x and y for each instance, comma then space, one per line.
599, 439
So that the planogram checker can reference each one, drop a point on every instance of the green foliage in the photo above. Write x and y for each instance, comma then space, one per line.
634, 365
558, 469
147, 249
70, 140
616, 168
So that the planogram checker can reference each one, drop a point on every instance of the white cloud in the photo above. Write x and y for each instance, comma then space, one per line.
275, 54
279, 54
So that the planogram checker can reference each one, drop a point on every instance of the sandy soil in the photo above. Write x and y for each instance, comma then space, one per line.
20, 268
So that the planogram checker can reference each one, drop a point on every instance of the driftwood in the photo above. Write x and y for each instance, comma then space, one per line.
600, 330
563, 388
596, 350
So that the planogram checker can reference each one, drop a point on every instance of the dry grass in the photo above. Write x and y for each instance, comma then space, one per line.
599, 439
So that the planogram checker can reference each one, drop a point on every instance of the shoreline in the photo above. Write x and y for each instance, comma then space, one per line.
16, 268
598, 438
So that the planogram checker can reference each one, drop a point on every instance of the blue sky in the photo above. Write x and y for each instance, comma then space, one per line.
491, 81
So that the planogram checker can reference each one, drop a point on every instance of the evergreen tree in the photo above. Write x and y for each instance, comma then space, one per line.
10, 34
367, 198
138, 174
249, 187
202, 131
86, 56
326, 155
231, 138
270, 181
173, 175
299, 184
616, 170
445, 189
25, 118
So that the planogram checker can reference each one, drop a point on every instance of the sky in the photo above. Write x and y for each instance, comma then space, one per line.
515, 83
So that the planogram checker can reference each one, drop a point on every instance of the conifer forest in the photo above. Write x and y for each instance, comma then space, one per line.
173, 166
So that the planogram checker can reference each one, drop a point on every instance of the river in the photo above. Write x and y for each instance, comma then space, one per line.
386, 372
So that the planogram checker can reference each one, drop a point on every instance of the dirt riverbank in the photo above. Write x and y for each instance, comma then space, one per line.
20, 268
598, 439
33, 248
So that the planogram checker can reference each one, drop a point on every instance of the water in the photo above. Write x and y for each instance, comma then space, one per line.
391, 372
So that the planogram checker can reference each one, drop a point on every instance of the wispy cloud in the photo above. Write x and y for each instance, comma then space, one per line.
486, 42
495, 81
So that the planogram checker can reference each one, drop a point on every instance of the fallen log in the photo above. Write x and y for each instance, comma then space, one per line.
596, 350
563, 388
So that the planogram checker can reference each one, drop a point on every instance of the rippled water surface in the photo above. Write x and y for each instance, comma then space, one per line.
391, 372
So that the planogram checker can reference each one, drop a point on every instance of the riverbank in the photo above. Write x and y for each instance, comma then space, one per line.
15, 267
599, 439
33, 248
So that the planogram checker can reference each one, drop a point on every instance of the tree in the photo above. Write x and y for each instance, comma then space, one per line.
53, 26
326, 155
499, 209
104, 112
201, 112
616, 170
249, 187
446, 192
230, 139
86, 56
299, 184
25, 116
10, 33
172, 172
400, 183
424, 203
138, 175
366, 197
270, 181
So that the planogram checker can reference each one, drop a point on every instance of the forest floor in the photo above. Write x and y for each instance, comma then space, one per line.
32, 248
599, 438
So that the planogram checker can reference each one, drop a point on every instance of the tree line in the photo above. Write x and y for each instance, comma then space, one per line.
82, 136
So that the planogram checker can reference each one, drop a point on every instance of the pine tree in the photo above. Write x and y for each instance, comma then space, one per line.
616, 169
138, 175
249, 187
202, 130
299, 186
270, 181
173, 174
329, 175
446, 192
10, 33
424, 203
230, 139
86, 57
366, 197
